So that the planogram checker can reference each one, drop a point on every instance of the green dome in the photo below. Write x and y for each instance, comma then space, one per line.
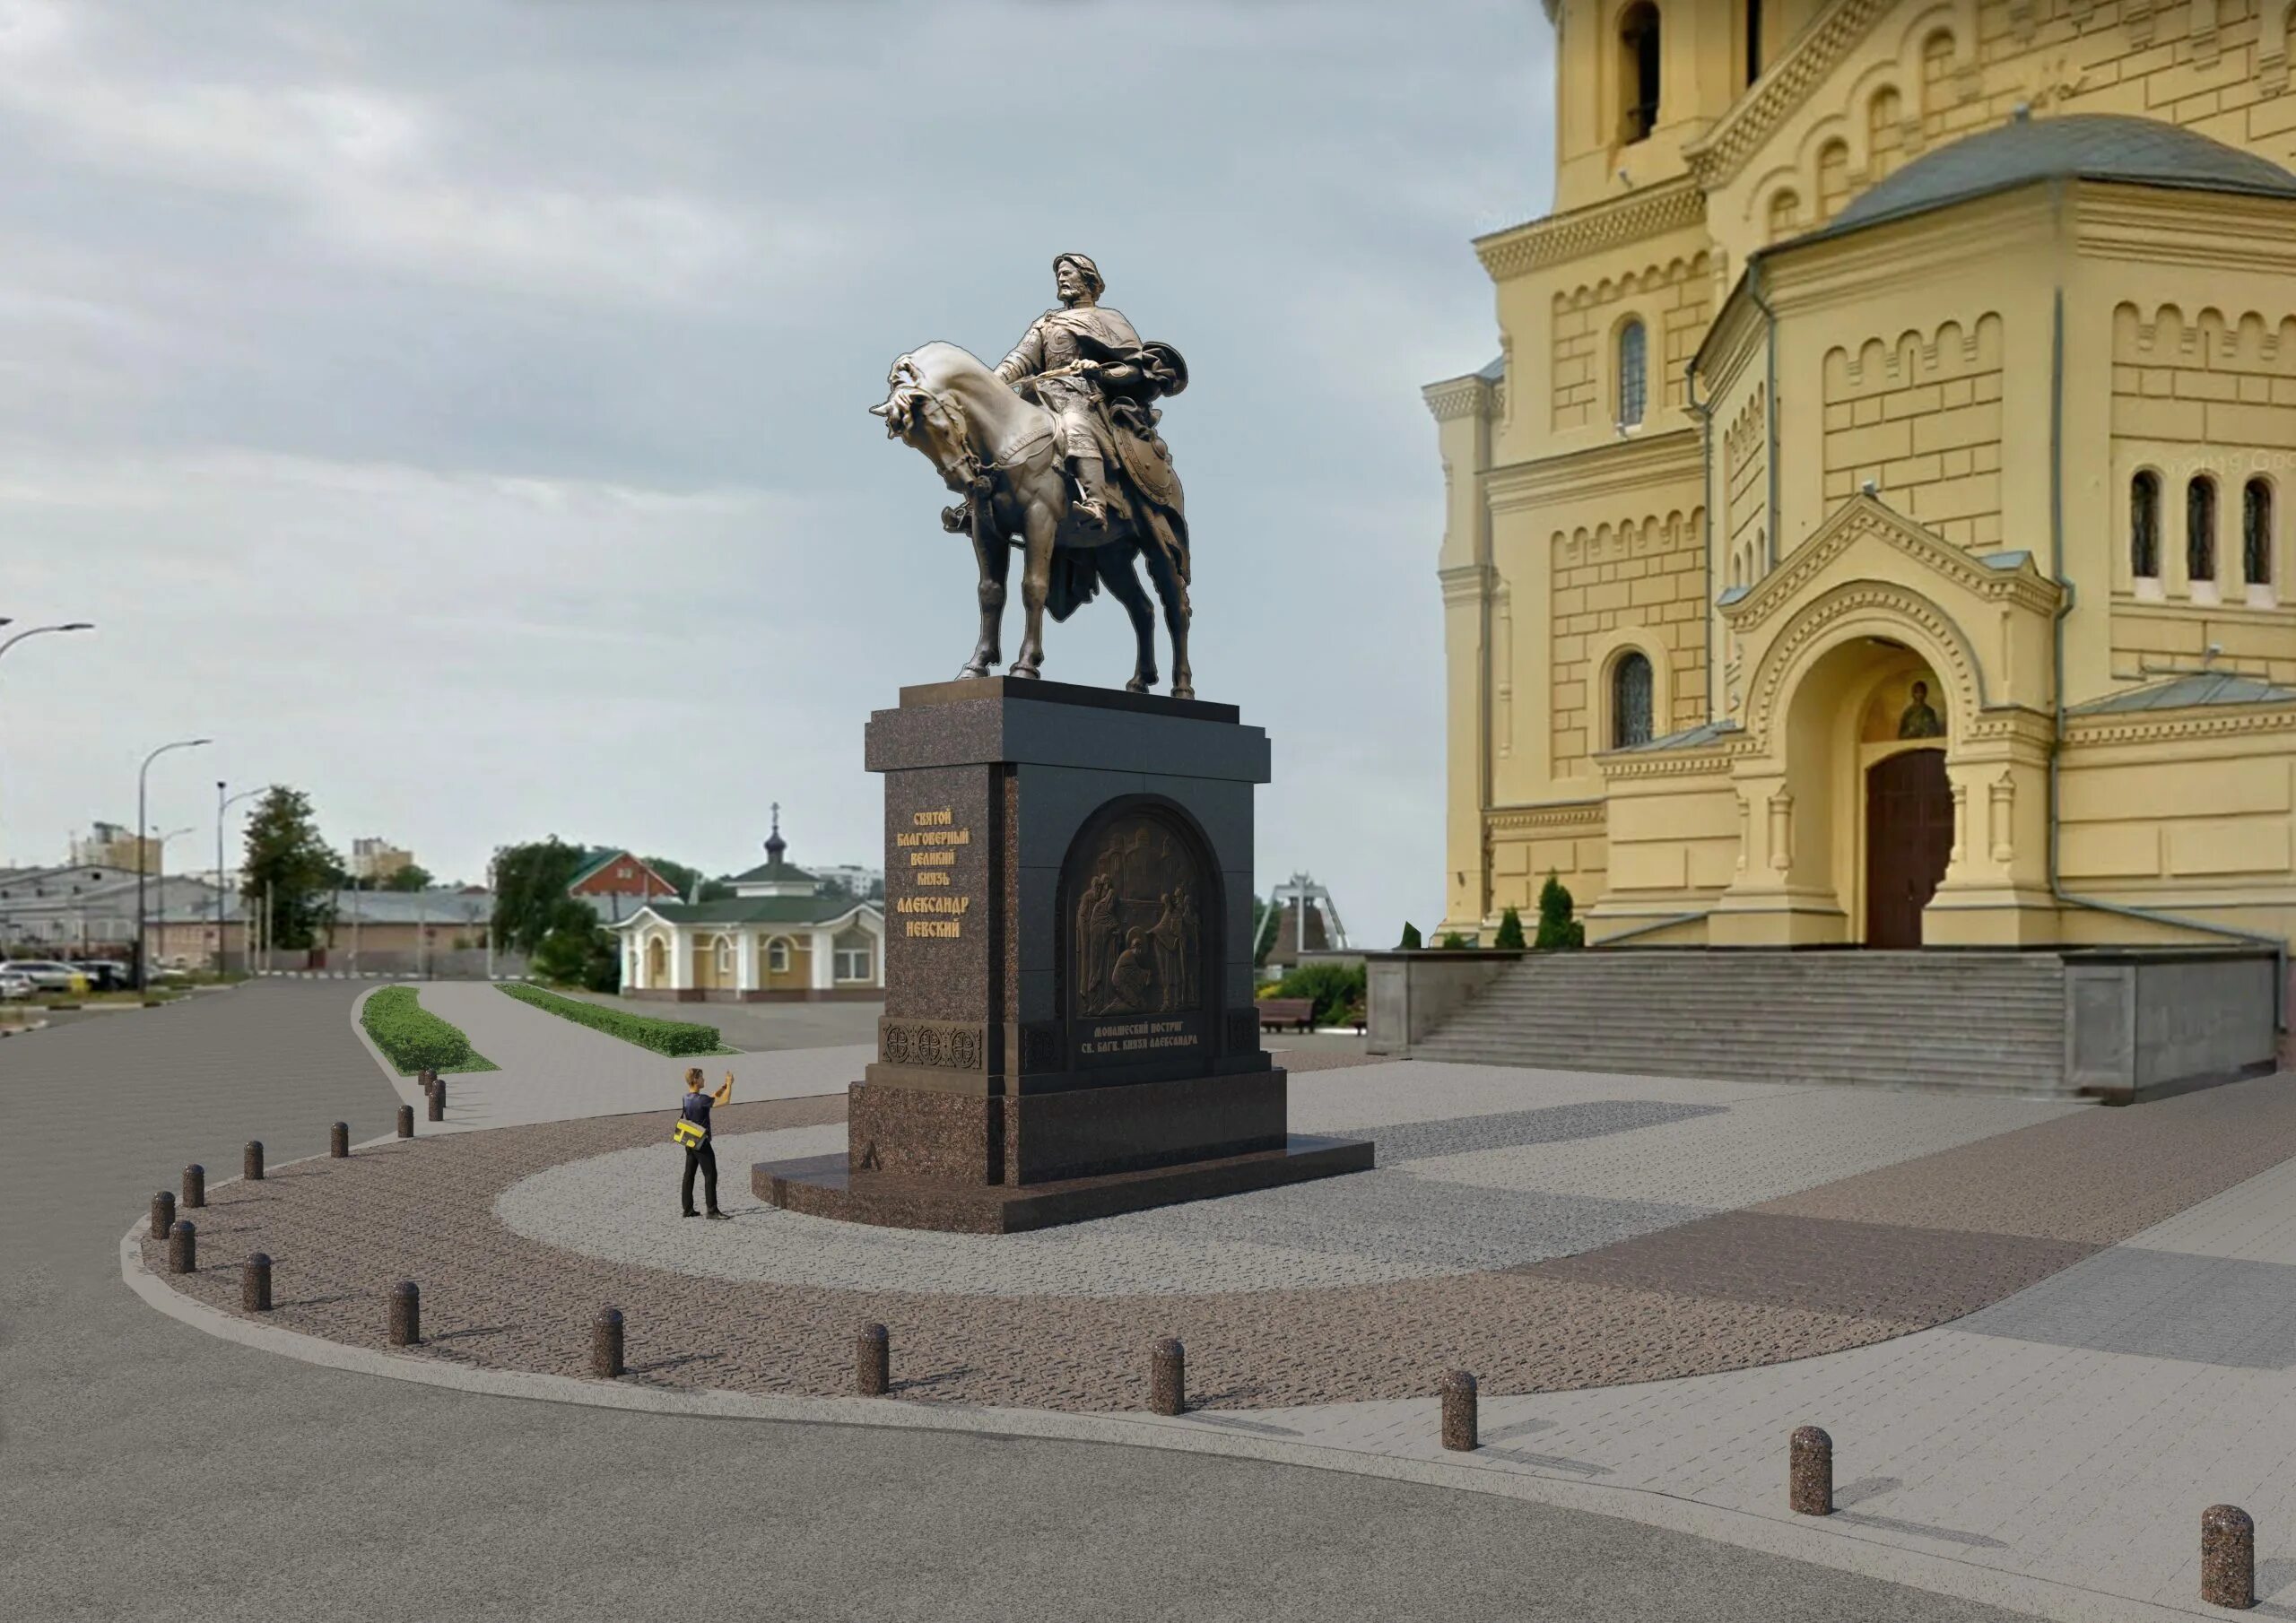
2084, 146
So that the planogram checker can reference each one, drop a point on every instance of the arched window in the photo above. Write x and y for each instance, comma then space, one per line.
2144, 526
2200, 529
1833, 178
1638, 33
2256, 532
725, 956
1784, 209
1936, 67
777, 955
1884, 131
1634, 373
854, 954
1630, 700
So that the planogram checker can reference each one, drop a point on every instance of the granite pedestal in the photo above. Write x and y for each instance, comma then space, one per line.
1069, 1030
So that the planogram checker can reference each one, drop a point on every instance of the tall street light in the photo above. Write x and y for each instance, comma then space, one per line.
8, 643
143, 824
222, 806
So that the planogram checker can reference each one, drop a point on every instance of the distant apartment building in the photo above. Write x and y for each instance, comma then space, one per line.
374, 860
862, 884
113, 845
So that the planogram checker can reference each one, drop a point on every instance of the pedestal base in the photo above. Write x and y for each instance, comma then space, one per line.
822, 1185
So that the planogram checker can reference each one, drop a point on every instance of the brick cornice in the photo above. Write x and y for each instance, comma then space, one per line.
1623, 465
1649, 213
1573, 816
2168, 726
1462, 398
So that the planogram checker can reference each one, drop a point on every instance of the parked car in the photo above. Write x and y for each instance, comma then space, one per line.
15, 987
46, 975
105, 974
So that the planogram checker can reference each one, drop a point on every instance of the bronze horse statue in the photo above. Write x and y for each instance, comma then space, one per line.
997, 449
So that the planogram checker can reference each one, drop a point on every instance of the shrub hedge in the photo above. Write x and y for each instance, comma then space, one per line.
410, 1036
663, 1037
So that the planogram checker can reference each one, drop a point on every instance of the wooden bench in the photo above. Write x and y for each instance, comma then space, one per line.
1281, 1012
1355, 1017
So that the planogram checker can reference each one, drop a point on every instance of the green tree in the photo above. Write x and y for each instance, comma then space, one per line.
412, 877
1336, 988
1411, 941
530, 900
289, 870
1454, 941
1511, 931
580, 956
1557, 929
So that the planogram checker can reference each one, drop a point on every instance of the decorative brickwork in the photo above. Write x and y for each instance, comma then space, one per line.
1919, 415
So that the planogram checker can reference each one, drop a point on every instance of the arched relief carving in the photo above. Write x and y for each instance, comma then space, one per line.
2250, 339
1866, 608
1914, 355
1608, 543
1649, 279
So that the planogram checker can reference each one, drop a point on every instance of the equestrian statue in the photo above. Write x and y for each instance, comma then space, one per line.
1055, 451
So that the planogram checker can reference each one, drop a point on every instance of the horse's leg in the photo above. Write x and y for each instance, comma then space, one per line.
1039, 525
1173, 591
1114, 563
994, 554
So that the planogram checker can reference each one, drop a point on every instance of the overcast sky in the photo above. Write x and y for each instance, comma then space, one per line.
458, 409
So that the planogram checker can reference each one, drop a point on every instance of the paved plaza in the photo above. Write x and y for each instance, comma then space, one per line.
2042, 1336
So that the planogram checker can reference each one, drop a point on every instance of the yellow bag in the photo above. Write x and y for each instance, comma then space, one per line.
692, 1134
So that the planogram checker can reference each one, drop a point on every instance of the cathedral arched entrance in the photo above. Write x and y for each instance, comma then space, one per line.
1851, 818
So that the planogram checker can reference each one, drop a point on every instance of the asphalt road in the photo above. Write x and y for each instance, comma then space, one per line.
148, 1472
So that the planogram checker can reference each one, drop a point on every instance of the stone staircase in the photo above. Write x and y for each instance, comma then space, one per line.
1987, 1020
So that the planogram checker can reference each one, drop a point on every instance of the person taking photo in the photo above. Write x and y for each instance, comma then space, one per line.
692, 1131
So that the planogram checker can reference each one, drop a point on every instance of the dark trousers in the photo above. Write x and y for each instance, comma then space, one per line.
706, 1158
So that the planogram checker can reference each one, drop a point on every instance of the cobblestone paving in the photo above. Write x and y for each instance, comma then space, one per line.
1810, 1272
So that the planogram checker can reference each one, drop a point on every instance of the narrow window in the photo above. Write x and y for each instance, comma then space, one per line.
2144, 526
1784, 208
1633, 372
2256, 532
2200, 530
1638, 72
1629, 701
776, 956
1754, 40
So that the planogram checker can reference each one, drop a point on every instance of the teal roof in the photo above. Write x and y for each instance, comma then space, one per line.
2188, 693
593, 859
753, 910
2073, 146
788, 873
1689, 737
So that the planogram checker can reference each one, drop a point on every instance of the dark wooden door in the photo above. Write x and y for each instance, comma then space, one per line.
1909, 837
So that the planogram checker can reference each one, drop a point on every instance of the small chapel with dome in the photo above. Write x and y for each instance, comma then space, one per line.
1875, 528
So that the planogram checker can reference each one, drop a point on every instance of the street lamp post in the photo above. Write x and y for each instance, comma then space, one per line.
8, 643
160, 844
246, 946
142, 823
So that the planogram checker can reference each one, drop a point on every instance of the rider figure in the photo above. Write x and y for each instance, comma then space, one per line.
1075, 336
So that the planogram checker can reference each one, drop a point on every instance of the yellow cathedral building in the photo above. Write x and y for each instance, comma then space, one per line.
1874, 529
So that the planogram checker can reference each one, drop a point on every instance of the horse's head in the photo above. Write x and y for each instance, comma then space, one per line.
933, 420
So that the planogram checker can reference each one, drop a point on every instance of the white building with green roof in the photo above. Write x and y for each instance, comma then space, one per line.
775, 938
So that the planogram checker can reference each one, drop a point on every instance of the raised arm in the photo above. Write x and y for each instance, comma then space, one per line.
725, 1094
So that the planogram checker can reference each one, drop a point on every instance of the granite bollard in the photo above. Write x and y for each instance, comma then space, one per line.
183, 1247
1809, 1475
2228, 1558
605, 1344
873, 1359
406, 1121
1459, 1411
428, 1079
254, 1283
338, 1141
251, 1161
164, 1214
406, 1315
1168, 1377
195, 1186
439, 1101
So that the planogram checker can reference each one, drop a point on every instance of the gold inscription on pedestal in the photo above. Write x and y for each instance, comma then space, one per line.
932, 842
1140, 1037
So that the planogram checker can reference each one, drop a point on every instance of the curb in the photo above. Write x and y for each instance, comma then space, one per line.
1796, 1539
